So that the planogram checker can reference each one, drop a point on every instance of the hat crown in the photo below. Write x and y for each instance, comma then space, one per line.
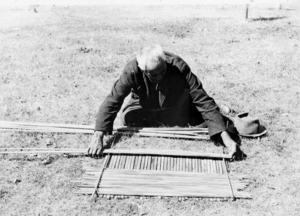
247, 125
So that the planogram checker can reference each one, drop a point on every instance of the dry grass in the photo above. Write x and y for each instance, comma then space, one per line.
57, 65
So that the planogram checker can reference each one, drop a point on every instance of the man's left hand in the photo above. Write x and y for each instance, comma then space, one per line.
229, 143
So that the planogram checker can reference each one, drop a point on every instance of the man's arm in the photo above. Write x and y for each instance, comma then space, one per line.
207, 107
109, 109
202, 101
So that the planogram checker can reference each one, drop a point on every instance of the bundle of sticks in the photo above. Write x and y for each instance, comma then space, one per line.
152, 173
168, 132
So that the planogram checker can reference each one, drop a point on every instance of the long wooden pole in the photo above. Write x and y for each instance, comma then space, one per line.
165, 152
229, 182
95, 193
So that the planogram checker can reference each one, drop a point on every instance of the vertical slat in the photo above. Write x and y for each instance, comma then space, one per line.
177, 163
180, 164
152, 162
200, 164
172, 163
121, 161
213, 166
149, 162
195, 166
216, 166
186, 164
125, 161
139, 165
162, 160
136, 158
132, 162
118, 161
210, 166
128, 160
158, 162
167, 163
137, 162
143, 162
221, 168
155, 162
189, 164
205, 166
110, 163
146, 162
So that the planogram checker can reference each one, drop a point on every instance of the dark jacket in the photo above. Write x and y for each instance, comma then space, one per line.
178, 80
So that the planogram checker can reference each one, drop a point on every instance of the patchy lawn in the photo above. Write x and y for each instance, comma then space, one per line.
58, 64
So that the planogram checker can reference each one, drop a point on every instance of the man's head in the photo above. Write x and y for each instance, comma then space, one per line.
152, 61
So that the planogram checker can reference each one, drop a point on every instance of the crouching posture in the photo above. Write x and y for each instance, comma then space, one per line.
164, 92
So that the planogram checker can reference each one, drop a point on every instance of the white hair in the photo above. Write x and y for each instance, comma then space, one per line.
150, 57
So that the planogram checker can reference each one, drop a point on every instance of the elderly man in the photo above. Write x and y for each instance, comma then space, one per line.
165, 92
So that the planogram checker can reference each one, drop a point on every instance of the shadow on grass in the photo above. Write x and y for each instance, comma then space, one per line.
268, 18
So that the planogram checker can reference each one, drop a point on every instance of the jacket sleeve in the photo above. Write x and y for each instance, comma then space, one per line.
204, 103
112, 103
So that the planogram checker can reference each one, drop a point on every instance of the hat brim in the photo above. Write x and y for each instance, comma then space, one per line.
260, 132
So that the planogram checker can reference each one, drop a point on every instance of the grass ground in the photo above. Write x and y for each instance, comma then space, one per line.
58, 64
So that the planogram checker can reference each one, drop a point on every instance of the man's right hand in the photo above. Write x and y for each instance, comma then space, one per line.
96, 146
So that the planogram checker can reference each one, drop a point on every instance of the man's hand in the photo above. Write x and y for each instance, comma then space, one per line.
229, 143
96, 146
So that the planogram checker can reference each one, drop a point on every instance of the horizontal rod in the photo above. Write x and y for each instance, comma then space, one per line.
191, 129
115, 151
165, 152
166, 135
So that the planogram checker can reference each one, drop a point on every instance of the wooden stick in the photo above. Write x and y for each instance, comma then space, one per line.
50, 130
229, 182
11, 123
60, 151
95, 193
166, 135
193, 129
165, 152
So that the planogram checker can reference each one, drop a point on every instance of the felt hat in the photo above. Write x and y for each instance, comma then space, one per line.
248, 126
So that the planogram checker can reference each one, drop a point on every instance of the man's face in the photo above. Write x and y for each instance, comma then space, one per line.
157, 73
